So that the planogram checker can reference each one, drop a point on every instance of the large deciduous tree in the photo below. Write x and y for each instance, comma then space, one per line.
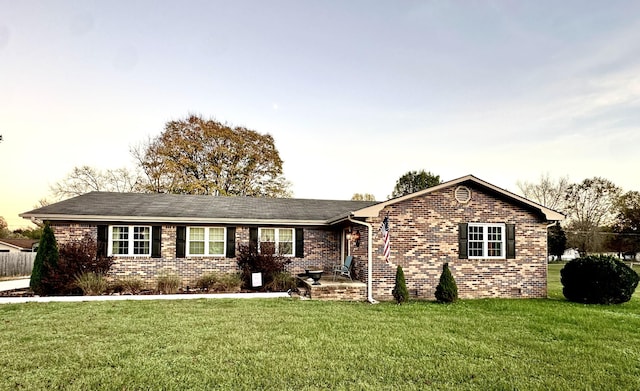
4, 228
626, 228
547, 192
589, 206
363, 197
85, 179
198, 156
414, 181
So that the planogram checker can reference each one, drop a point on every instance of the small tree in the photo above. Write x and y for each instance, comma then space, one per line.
400, 292
447, 290
46, 260
76, 258
265, 261
414, 181
556, 241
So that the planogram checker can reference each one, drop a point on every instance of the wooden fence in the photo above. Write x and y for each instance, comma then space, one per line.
16, 264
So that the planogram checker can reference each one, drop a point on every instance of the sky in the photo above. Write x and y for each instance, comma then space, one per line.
355, 93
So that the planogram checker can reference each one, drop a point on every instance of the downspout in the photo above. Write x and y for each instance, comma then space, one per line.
370, 298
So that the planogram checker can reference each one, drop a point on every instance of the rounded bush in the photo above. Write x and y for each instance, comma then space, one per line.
598, 280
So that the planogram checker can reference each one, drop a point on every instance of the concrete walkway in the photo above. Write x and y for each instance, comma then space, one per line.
24, 283
14, 284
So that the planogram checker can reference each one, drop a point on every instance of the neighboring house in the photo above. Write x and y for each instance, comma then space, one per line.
18, 245
494, 241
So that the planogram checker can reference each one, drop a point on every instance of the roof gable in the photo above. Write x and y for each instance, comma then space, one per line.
549, 214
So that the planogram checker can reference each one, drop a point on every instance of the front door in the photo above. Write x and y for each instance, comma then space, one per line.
346, 244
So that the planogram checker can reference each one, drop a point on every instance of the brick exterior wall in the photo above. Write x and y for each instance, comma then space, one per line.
321, 248
424, 235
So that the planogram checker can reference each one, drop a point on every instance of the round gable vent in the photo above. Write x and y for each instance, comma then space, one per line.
463, 194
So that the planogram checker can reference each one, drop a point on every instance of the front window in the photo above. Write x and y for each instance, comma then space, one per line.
206, 241
486, 240
130, 240
277, 240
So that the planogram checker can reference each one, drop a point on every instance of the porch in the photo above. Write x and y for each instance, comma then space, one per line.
341, 288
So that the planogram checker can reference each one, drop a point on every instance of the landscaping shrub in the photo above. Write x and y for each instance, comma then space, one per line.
266, 262
92, 284
127, 286
207, 281
598, 279
46, 260
75, 258
282, 282
219, 282
400, 292
447, 290
168, 283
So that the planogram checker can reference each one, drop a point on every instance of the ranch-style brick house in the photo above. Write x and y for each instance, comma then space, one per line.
494, 241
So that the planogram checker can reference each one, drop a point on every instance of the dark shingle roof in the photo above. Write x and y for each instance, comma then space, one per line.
21, 243
173, 207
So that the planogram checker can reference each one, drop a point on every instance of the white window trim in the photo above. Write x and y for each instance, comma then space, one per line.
130, 241
206, 243
277, 239
485, 241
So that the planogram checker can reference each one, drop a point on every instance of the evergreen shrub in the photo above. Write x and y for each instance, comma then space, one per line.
46, 260
400, 292
598, 279
447, 290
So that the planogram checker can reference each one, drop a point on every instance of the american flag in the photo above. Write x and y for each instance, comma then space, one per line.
384, 229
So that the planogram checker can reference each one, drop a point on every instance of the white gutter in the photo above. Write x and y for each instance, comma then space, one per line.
171, 220
370, 298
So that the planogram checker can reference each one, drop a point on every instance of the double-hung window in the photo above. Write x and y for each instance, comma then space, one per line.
277, 240
129, 240
486, 240
206, 241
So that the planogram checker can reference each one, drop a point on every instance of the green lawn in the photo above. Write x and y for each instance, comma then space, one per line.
284, 344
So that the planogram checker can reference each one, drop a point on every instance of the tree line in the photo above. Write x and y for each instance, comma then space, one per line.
600, 217
195, 155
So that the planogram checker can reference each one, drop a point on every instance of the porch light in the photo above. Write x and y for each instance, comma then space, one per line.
355, 236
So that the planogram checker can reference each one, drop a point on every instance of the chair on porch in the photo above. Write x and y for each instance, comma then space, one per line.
344, 269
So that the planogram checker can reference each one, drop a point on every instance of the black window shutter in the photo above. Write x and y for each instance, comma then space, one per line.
181, 241
462, 240
253, 238
231, 242
299, 243
103, 237
156, 241
511, 241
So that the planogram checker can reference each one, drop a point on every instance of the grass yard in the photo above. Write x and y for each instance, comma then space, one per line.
296, 345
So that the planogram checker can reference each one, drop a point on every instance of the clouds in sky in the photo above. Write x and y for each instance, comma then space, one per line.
355, 93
